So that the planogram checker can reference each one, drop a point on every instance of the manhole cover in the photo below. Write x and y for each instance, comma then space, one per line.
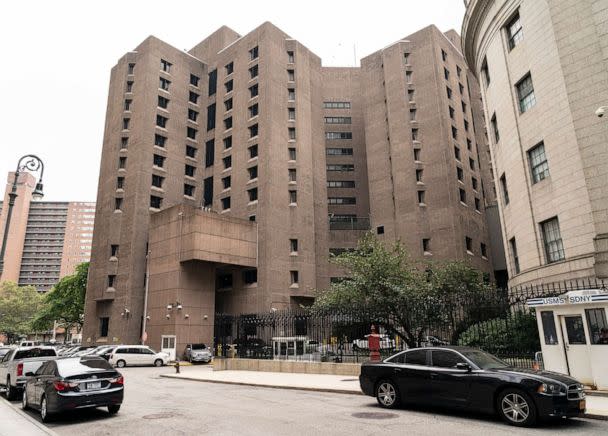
162, 415
375, 415
350, 379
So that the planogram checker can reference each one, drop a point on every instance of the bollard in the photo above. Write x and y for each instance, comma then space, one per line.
177, 367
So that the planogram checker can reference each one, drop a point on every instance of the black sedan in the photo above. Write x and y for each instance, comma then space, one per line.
71, 383
468, 378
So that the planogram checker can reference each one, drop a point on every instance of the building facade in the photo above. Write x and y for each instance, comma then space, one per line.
543, 66
46, 239
230, 174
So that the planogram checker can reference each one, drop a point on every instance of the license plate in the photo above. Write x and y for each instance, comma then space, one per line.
94, 385
582, 405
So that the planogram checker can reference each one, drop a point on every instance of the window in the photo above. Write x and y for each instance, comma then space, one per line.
292, 132
477, 204
485, 72
338, 135
118, 204
253, 90
421, 195
129, 86
406, 58
161, 121
336, 105
228, 104
451, 109
192, 115
408, 77
484, 249
549, 330
466, 125
229, 86
124, 141
228, 123
253, 110
458, 70
128, 104
291, 94
457, 153
104, 324
193, 97
227, 142
515, 32
291, 75
155, 202
253, 194
460, 174
157, 181
525, 93
380, 230
191, 132
342, 200
464, 107
253, 72
446, 359
208, 191
253, 131
252, 218
227, 162
294, 276
293, 197
474, 183
120, 183
165, 66
462, 195
131, 68
495, 131
471, 164
163, 102
226, 182
449, 92
514, 255
164, 84
340, 167
505, 190
552, 238
468, 242
419, 173
417, 154
122, 162
293, 175
412, 114
194, 80
340, 183
212, 82
292, 153
444, 55
538, 163
290, 57
598, 327
461, 88
410, 95
415, 357
454, 132
250, 276
469, 144
189, 170
209, 153
225, 203
125, 123
291, 114
254, 53
253, 172
338, 120
160, 140
446, 73
229, 68
253, 151
188, 190
190, 151
339, 151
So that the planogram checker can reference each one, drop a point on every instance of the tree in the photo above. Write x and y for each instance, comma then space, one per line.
65, 302
408, 299
18, 307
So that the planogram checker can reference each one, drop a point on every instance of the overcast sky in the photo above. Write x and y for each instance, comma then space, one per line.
56, 58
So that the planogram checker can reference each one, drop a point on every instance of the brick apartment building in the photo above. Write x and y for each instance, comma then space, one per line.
230, 173
47, 239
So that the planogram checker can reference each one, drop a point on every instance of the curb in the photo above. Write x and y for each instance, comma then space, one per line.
294, 388
32, 421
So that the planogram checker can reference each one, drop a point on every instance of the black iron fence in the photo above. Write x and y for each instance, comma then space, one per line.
499, 322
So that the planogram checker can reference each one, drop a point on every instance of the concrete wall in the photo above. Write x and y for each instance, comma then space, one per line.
350, 369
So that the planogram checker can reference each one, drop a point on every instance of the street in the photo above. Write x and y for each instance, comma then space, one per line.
160, 406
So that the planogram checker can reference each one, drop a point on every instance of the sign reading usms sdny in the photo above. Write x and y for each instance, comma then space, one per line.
572, 297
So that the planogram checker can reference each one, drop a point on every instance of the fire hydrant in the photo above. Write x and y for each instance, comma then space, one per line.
177, 367
373, 342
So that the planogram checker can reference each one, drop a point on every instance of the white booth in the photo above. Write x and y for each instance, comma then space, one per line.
573, 331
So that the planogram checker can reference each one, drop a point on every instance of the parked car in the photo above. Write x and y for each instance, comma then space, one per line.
3, 351
70, 383
137, 355
29, 344
197, 353
468, 378
17, 363
104, 351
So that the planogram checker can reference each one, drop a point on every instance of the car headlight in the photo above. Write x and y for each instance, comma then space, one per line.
550, 389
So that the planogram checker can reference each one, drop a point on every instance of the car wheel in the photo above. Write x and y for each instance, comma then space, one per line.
121, 364
113, 409
158, 362
45, 416
515, 407
387, 394
24, 399
11, 393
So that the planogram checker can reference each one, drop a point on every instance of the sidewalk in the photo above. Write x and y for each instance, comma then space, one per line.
15, 422
597, 406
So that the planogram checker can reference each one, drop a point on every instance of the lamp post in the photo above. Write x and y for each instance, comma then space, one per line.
28, 162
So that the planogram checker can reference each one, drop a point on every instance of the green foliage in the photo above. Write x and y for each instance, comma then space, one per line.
18, 307
518, 331
384, 285
65, 302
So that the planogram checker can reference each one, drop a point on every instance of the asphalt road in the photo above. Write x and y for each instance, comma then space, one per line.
161, 406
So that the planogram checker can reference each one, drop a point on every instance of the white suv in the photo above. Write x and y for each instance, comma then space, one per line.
137, 355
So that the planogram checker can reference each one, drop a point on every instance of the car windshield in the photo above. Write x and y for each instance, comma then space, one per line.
34, 352
484, 360
73, 366
3, 351
198, 346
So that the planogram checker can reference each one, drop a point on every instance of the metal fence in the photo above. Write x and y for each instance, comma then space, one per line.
500, 322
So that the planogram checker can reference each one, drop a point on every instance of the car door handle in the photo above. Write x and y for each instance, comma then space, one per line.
398, 369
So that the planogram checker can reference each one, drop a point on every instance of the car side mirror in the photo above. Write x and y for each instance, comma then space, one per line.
464, 367
29, 374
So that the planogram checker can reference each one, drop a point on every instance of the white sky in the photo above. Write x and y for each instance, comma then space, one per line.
56, 56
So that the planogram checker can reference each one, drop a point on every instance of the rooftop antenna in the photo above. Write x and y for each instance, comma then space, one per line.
354, 54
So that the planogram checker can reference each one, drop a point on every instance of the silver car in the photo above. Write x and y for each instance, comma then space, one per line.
198, 353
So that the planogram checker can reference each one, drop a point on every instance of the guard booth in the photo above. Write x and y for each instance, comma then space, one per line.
573, 331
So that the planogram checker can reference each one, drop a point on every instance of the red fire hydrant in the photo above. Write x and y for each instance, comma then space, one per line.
373, 341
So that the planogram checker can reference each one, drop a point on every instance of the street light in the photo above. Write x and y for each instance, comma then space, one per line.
28, 162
